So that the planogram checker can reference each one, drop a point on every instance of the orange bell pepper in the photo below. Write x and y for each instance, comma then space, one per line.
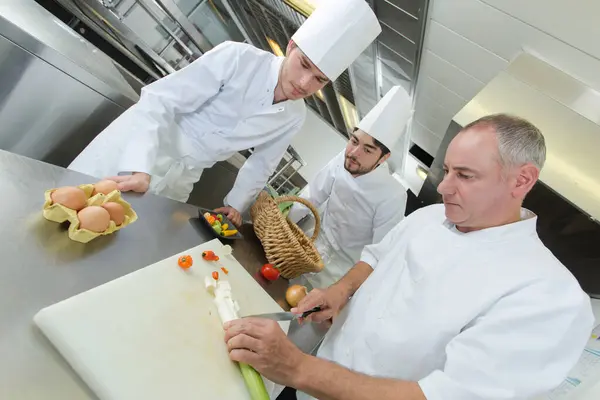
185, 262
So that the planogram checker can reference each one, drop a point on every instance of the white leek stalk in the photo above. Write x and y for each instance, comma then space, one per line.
228, 310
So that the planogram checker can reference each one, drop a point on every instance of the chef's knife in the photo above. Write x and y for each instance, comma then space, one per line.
285, 316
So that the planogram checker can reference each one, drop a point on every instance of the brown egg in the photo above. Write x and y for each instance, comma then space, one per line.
70, 197
116, 211
94, 218
104, 187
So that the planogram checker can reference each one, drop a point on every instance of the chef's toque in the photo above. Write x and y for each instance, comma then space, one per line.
387, 121
336, 33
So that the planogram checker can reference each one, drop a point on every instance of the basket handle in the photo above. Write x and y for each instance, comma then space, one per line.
308, 205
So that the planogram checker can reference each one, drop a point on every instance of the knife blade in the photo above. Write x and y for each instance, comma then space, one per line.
285, 316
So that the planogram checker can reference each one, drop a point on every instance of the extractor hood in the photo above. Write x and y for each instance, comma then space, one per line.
568, 114
567, 198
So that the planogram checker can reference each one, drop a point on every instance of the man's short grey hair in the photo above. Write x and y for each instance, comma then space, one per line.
519, 141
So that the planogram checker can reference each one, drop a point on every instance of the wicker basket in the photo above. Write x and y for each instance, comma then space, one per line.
285, 244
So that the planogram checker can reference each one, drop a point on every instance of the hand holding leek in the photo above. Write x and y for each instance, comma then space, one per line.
262, 344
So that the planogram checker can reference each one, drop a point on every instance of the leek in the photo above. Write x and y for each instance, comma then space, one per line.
254, 383
228, 310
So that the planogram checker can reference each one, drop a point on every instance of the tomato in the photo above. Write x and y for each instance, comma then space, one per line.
269, 272
185, 261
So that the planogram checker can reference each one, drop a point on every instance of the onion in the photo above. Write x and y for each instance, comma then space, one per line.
294, 294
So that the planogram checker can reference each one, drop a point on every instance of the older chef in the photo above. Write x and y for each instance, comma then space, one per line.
359, 200
233, 98
460, 301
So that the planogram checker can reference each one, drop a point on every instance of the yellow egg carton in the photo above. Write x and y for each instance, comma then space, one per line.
59, 213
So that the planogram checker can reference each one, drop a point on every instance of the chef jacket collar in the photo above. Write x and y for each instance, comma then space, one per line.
525, 227
375, 175
275, 69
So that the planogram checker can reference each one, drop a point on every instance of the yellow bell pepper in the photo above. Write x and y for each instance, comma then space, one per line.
230, 232
225, 227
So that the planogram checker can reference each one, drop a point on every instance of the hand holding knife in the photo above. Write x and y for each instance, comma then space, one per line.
285, 316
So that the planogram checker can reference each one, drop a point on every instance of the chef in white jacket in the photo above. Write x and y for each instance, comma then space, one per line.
359, 200
460, 301
233, 98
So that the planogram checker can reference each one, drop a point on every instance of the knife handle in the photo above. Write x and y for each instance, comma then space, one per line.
307, 313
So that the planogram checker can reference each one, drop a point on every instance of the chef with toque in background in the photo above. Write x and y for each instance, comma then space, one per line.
233, 98
358, 198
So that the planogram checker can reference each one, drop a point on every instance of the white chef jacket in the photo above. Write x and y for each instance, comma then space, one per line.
490, 314
206, 112
355, 212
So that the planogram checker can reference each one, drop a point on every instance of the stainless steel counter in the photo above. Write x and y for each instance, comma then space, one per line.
41, 266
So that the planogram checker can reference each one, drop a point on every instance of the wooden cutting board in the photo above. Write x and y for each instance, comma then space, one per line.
155, 333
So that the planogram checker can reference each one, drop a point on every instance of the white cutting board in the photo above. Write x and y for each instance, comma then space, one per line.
155, 333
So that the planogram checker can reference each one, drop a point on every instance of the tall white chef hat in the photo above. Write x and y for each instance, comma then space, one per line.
336, 33
387, 121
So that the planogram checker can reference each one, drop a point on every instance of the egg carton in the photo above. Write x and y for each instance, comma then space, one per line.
59, 213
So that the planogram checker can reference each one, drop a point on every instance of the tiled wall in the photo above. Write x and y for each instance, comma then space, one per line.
469, 41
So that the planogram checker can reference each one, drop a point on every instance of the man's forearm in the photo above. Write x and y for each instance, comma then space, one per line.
329, 381
355, 277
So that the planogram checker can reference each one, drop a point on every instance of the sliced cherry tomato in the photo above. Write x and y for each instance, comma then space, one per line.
269, 272
215, 275
225, 270
185, 261
210, 255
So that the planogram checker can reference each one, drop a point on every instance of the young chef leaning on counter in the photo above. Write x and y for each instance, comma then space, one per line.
460, 301
233, 98
359, 200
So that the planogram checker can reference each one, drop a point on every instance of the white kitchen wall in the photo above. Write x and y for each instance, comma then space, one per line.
317, 143
469, 41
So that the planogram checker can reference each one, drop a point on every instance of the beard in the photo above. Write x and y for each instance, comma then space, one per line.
355, 168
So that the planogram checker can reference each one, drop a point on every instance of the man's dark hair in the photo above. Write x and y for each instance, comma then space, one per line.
382, 147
